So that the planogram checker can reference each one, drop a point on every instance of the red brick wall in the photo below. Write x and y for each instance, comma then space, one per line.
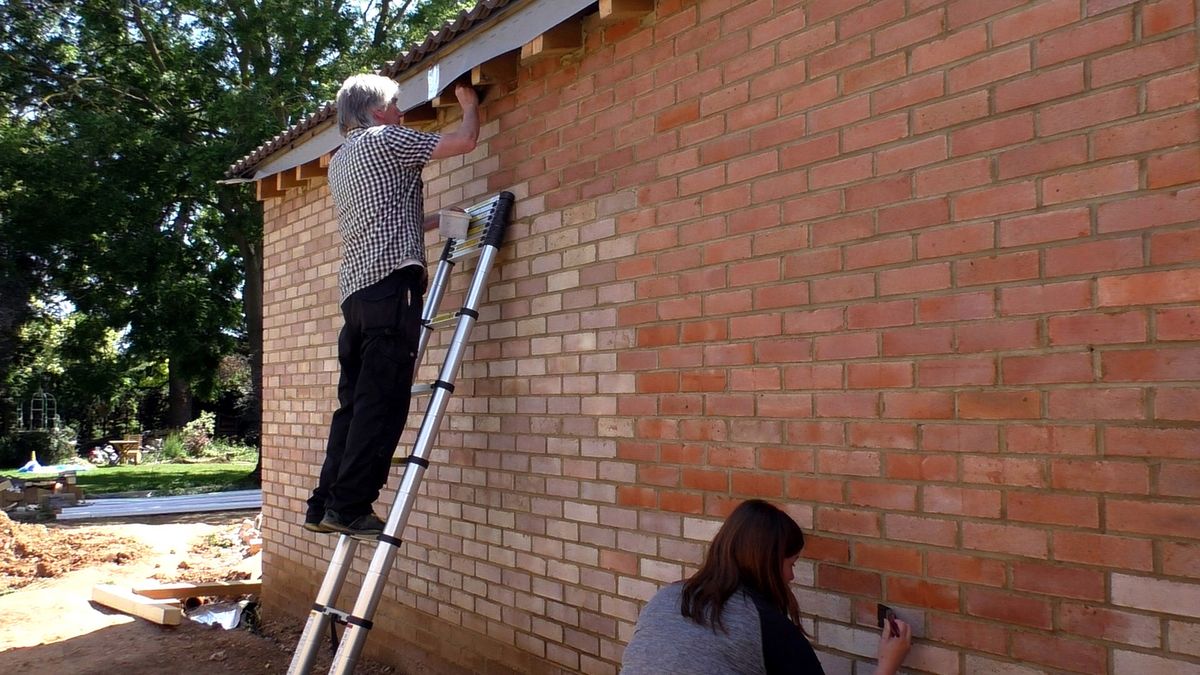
923, 272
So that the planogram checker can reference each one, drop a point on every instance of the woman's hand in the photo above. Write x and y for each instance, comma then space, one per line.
893, 648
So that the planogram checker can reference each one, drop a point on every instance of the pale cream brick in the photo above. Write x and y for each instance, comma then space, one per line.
1156, 595
1149, 664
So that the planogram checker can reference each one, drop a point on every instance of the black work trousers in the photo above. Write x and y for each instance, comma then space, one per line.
377, 352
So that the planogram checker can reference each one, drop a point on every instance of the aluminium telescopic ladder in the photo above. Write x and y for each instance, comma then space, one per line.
488, 222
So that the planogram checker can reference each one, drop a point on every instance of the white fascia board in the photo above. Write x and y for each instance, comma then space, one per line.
511, 31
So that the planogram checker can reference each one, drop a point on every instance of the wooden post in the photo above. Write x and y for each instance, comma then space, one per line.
267, 188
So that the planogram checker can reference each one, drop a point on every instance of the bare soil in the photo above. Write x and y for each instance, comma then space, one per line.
48, 623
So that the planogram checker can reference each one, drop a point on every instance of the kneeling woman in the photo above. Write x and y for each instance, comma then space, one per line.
737, 615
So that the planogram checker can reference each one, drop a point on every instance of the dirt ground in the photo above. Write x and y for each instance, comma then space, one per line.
49, 625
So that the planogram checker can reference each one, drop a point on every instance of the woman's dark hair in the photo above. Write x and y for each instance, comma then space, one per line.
749, 551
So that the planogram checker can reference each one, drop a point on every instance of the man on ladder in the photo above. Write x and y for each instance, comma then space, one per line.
375, 181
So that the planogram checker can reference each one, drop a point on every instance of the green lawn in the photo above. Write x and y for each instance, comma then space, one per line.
161, 479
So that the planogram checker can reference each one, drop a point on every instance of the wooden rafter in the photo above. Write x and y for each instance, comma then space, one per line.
318, 168
619, 10
288, 179
564, 38
494, 71
447, 97
268, 188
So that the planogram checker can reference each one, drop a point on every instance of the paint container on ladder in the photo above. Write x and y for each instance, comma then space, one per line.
453, 223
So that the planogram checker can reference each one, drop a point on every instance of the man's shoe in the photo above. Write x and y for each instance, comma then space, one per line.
316, 526
367, 527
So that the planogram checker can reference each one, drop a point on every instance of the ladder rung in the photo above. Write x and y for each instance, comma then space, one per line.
442, 320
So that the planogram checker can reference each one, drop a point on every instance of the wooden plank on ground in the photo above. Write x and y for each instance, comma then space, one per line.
162, 612
180, 591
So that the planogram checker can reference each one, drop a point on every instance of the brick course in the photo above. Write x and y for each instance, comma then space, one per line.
923, 272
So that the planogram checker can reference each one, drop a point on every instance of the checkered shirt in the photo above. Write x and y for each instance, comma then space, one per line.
375, 179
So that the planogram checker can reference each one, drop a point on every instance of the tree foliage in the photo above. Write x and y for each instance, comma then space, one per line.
121, 117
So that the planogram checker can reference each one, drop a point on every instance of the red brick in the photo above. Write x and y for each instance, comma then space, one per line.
1054, 509
1146, 134
1104, 550
911, 31
1173, 168
1088, 111
958, 307
887, 558
843, 288
884, 435
919, 467
911, 155
1177, 324
921, 593
981, 636
1039, 88
969, 438
950, 112
822, 492
920, 529
847, 521
1090, 183
842, 55
875, 132
918, 405
877, 193
1181, 559
1160, 518
853, 462
1166, 15
879, 375
958, 501
1149, 211
887, 496
956, 46
1097, 328
1056, 440
878, 253
880, 314
840, 113
994, 269
1007, 608
1178, 480
1178, 404
1047, 368
915, 278
1120, 477
912, 341
971, 569
913, 215
1102, 623
1071, 582
993, 66
1045, 298
955, 240
1008, 539
1042, 17
1173, 90
838, 230
953, 177
956, 372
1150, 365
1086, 38
908, 92
1044, 227
996, 336
1151, 442
993, 134
1150, 288
1154, 57
993, 201
992, 405
846, 580
1007, 471
874, 73
1097, 404
1060, 652
1044, 156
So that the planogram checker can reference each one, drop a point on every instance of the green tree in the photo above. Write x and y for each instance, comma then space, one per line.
122, 114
